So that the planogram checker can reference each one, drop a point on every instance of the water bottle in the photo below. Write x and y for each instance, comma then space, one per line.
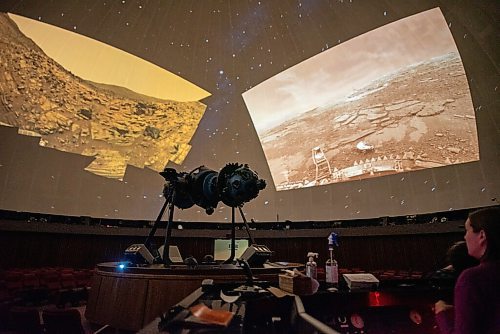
331, 268
311, 266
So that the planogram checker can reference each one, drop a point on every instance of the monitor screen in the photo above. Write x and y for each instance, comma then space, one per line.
222, 248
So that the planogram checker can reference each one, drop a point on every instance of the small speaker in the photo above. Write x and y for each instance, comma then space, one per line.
138, 254
256, 255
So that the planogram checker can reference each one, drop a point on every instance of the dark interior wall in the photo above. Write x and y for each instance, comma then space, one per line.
417, 252
411, 251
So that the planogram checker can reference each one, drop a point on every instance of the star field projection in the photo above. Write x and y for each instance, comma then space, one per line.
242, 43
229, 47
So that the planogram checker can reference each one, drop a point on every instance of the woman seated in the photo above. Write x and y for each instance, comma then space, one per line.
476, 306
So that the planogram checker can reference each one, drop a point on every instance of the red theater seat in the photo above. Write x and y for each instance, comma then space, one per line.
68, 280
4, 293
66, 271
30, 281
82, 279
13, 281
50, 279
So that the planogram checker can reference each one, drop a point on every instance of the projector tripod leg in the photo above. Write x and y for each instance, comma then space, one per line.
252, 241
149, 239
233, 233
166, 256
233, 238
169, 201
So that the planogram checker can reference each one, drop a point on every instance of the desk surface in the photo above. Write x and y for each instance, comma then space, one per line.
201, 269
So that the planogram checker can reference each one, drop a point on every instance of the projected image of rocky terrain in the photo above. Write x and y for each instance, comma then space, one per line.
113, 124
418, 117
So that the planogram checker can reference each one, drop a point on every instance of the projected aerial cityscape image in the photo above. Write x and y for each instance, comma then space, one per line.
395, 117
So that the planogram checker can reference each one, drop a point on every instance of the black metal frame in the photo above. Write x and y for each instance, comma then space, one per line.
169, 202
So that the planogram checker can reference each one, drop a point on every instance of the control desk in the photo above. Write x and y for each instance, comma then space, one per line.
254, 310
404, 308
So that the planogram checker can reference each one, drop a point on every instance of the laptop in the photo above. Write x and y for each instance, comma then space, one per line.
222, 248
173, 254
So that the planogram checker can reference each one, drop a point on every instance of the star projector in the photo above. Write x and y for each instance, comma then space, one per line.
234, 185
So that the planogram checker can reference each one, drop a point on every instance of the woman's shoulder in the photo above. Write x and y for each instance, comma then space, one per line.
489, 270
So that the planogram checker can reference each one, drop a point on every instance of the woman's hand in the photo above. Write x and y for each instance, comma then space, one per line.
441, 306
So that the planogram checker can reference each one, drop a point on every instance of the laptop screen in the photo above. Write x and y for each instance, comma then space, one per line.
173, 254
222, 248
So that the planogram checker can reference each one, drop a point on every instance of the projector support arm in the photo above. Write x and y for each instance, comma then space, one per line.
246, 225
233, 238
169, 201
233, 233
168, 232
151, 235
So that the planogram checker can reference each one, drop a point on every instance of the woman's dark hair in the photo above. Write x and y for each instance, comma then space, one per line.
458, 256
488, 220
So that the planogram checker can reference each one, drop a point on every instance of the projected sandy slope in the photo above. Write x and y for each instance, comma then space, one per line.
394, 99
112, 123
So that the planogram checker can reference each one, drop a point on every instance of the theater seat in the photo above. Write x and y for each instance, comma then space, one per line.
62, 321
67, 280
81, 279
25, 320
30, 281
50, 279
4, 292
14, 281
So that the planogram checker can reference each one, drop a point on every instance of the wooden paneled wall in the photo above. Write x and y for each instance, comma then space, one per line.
417, 251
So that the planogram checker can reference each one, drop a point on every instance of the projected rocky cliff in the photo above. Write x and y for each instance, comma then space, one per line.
386, 102
114, 124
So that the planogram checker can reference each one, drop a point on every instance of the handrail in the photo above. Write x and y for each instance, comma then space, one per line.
318, 325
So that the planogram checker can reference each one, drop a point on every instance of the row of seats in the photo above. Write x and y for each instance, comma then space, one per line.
41, 283
52, 278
